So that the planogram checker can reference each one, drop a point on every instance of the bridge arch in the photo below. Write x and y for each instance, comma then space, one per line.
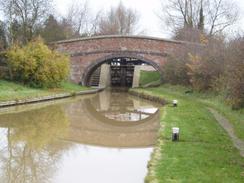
88, 53
95, 64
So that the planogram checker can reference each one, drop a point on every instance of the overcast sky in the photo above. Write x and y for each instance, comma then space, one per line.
147, 10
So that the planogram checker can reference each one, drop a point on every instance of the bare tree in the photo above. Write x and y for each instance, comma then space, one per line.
94, 23
119, 20
212, 16
79, 17
222, 14
28, 13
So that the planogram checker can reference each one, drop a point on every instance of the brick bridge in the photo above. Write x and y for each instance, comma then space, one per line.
87, 54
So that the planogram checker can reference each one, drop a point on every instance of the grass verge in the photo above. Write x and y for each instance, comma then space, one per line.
147, 77
15, 91
208, 99
205, 152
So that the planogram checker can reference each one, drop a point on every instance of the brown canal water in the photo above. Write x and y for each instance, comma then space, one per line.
100, 138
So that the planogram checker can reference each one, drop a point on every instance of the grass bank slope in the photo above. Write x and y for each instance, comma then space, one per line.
205, 152
15, 91
208, 99
147, 77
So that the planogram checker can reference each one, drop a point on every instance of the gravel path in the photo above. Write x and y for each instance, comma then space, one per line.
239, 144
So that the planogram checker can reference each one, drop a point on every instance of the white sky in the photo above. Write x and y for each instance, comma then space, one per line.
147, 10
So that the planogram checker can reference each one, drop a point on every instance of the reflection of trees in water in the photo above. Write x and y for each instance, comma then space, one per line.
32, 146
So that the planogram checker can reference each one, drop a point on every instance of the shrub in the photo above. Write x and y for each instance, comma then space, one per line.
204, 71
217, 67
3, 66
175, 69
234, 75
206, 67
36, 65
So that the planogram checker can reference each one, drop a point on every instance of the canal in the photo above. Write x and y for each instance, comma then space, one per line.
106, 137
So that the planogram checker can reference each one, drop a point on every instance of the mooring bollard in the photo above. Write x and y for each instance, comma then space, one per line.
175, 134
175, 102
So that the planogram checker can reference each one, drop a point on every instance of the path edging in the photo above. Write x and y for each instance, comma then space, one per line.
228, 127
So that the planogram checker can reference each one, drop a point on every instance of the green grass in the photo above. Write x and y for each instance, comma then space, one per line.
205, 152
147, 77
210, 100
15, 91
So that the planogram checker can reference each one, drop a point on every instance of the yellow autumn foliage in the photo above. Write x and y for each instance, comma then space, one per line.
36, 65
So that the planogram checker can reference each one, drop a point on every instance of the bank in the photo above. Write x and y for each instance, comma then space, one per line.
12, 93
205, 152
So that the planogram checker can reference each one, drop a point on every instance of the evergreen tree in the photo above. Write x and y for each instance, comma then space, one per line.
52, 31
201, 19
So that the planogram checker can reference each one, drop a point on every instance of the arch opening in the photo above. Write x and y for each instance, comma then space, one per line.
121, 71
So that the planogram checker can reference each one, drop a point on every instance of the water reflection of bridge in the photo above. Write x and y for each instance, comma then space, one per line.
113, 120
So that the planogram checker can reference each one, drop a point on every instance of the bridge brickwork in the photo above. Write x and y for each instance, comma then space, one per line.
89, 53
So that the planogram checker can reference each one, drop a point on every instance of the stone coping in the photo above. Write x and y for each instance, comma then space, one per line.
146, 96
124, 36
47, 98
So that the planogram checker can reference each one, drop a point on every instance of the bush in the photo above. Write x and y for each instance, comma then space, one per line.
206, 67
175, 68
175, 71
36, 65
217, 67
3, 66
234, 75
